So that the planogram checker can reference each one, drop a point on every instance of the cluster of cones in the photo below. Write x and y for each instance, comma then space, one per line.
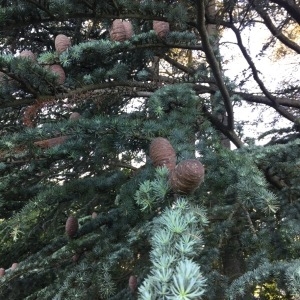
61, 43
122, 30
186, 176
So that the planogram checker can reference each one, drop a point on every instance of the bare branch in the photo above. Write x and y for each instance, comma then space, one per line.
291, 7
260, 83
230, 134
277, 33
214, 63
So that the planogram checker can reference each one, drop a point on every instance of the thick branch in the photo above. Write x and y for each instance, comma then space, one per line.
291, 7
178, 65
264, 100
214, 63
230, 134
277, 33
80, 92
260, 83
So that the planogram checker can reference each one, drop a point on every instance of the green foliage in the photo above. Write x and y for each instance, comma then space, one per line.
176, 238
235, 237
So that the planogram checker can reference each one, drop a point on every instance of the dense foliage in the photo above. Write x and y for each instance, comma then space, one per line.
81, 100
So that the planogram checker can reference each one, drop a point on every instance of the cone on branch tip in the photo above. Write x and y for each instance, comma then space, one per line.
75, 257
2, 272
74, 116
132, 283
187, 176
162, 153
161, 28
121, 30
62, 43
28, 54
59, 71
71, 226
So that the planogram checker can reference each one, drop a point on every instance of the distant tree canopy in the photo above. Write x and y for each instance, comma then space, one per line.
93, 205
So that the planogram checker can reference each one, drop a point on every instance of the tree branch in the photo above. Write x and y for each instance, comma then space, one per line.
260, 83
291, 7
178, 65
230, 134
277, 33
214, 63
41, 7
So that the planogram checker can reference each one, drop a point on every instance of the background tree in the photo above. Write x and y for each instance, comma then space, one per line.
92, 207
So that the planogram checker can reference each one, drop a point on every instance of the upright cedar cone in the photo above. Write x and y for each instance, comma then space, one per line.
132, 283
187, 176
62, 43
162, 153
75, 257
57, 69
28, 54
121, 30
74, 116
71, 226
2, 272
161, 28
14, 266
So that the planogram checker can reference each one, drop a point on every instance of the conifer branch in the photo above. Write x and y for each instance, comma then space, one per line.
249, 220
178, 65
42, 7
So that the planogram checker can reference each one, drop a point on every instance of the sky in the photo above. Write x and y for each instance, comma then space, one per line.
272, 71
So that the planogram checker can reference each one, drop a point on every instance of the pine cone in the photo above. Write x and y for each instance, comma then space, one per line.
74, 116
28, 54
14, 266
57, 69
121, 30
162, 153
2, 272
161, 28
132, 283
62, 43
71, 226
75, 257
187, 176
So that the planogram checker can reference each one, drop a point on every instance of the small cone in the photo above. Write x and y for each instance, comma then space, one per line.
161, 28
71, 226
57, 69
74, 116
75, 257
14, 266
28, 54
2, 272
132, 283
62, 43
94, 215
